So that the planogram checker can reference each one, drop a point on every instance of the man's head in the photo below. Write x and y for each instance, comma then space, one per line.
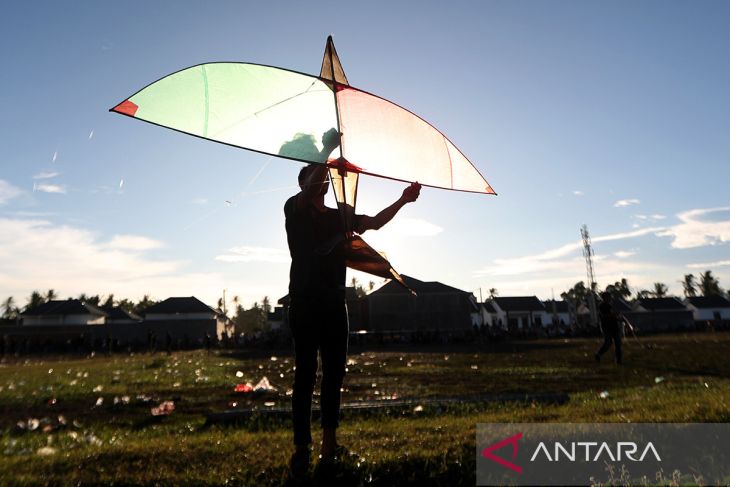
304, 175
606, 297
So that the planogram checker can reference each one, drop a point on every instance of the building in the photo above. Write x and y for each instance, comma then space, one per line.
67, 312
520, 313
186, 317
660, 314
559, 313
435, 306
117, 316
709, 308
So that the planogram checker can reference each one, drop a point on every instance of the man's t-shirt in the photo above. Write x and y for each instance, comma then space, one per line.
609, 318
318, 262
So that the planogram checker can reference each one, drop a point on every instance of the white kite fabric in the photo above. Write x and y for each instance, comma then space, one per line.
286, 113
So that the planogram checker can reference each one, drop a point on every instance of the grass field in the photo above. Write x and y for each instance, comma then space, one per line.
60, 422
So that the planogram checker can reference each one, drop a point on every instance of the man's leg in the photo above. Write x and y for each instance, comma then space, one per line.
617, 347
302, 320
606, 345
334, 358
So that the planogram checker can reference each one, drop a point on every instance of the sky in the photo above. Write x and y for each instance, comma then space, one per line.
610, 114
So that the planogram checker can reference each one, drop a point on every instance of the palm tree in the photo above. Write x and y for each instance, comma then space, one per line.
108, 302
660, 290
493, 292
690, 286
51, 295
35, 300
709, 285
11, 311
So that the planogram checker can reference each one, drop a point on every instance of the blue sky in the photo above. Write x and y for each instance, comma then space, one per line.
612, 114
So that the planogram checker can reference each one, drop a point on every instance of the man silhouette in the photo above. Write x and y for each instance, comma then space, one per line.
317, 310
610, 326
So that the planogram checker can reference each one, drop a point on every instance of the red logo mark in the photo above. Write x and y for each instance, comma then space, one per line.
487, 452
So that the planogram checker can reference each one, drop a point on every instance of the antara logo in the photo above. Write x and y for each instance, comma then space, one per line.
512, 440
589, 451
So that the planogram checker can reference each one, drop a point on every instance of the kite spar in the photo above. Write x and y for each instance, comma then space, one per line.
284, 113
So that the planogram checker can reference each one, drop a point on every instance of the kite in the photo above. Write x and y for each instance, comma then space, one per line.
285, 113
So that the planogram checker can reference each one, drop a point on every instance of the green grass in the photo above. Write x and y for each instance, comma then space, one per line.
119, 444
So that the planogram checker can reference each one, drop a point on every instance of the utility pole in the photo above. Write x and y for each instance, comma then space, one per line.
588, 255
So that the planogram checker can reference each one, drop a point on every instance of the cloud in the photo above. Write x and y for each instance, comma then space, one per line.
709, 265
199, 201
653, 217
622, 254
254, 254
133, 242
37, 254
8, 192
413, 227
693, 231
628, 202
46, 175
50, 188
554, 259
578, 192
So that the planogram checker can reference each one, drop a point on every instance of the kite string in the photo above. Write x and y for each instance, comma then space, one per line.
243, 193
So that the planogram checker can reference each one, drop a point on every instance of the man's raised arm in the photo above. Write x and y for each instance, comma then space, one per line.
410, 194
317, 173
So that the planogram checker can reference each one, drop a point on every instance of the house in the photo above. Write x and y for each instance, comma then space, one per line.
187, 317
117, 315
520, 312
275, 318
709, 308
559, 313
435, 306
660, 314
67, 312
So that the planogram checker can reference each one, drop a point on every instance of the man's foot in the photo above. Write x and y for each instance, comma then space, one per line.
299, 463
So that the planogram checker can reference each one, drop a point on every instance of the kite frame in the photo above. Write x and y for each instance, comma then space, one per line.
324, 80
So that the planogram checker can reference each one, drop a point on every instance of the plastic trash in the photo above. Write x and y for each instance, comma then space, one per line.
604, 394
247, 387
658, 380
264, 386
164, 409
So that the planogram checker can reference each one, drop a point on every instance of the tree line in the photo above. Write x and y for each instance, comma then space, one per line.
706, 284
245, 320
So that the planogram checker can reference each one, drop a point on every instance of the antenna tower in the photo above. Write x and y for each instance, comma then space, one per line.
588, 255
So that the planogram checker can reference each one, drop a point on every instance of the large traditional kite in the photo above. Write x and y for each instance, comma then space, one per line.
286, 113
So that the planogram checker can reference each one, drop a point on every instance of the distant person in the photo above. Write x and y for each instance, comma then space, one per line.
317, 310
611, 322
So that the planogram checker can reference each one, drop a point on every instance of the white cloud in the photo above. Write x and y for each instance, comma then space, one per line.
413, 227
578, 192
37, 254
245, 253
627, 202
709, 265
694, 232
50, 188
46, 175
133, 242
200, 201
553, 260
622, 254
8, 192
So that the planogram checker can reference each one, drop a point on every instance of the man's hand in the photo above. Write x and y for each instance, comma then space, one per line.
330, 141
411, 193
